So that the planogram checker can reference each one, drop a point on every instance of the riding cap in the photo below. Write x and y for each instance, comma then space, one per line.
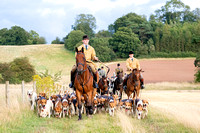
131, 52
85, 37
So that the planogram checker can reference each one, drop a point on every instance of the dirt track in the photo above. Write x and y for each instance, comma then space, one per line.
177, 70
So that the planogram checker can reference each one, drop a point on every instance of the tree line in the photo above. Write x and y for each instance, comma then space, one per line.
18, 36
172, 31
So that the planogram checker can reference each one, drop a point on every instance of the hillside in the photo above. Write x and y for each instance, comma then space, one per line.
52, 57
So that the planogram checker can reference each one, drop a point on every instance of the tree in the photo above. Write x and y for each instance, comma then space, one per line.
57, 41
41, 40
103, 33
16, 36
103, 51
172, 11
123, 41
33, 37
73, 38
85, 23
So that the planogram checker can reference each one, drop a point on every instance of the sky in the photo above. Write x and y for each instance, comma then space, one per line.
54, 18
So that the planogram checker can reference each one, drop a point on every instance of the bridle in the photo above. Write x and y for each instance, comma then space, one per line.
79, 63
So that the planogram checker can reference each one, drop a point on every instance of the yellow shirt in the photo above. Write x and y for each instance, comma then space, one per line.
118, 70
132, 64
89, 53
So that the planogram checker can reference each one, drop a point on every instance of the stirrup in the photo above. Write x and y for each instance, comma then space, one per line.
71, 85
95, 85
124, 87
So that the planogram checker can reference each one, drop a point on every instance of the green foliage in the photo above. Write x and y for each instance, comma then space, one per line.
18, 36
73, 38
102, 44
85, 23
17, 70
123, 41
56, 41
56, 77
197, 76
197, 64
103, 33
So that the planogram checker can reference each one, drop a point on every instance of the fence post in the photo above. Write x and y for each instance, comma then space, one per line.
23, 91
7, 93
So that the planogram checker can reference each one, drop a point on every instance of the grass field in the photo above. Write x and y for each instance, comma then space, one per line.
19, 118
52, 57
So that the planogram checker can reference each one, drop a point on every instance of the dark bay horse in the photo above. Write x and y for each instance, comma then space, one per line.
133, 84
83, 83
103, 85
118, 84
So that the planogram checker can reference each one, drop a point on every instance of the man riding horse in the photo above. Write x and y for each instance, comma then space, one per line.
132, 63
89, 56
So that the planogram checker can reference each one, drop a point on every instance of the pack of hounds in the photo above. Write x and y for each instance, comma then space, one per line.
65, 105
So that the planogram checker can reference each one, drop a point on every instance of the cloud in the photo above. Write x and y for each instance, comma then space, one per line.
52, 18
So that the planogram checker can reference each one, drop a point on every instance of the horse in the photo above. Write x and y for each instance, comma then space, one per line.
83, 83
133, 84
118, 84
103, 85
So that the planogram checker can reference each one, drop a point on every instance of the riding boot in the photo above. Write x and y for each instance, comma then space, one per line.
71, 85
125, 83
95, 76
142, 83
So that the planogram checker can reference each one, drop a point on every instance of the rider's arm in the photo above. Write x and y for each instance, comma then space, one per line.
138, 65
128, 64
93, 55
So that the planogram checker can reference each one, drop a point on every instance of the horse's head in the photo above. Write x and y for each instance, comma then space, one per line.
80, 61
136, 74
105, 81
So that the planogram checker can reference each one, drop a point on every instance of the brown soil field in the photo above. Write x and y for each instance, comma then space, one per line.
162, 70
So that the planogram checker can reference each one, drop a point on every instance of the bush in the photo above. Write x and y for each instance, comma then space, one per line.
17, 70
197, 76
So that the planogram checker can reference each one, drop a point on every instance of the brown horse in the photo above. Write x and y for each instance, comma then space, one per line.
83, 83
118, 84
103, 85
133, 83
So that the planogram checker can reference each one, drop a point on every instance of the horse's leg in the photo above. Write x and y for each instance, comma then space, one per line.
121, 90
138, 92
78, 94
90, 102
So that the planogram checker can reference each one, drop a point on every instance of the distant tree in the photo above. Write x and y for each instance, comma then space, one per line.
123, 41
172, 11
103, 51
3, 35
73, 38
103, 33
85, 23
16, 36
57, 41
42, 40
33, 37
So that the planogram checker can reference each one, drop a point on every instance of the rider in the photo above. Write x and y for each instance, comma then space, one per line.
132, 63
118, 69
102, 72
89, 56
